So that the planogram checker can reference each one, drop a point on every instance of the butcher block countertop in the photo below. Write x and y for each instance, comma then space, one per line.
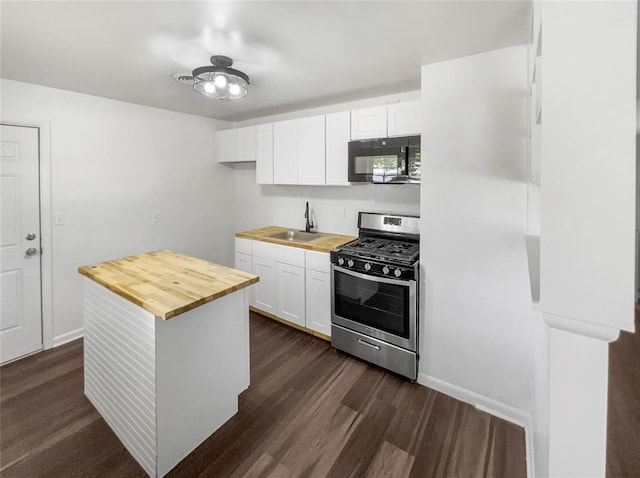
167, 283
326, 242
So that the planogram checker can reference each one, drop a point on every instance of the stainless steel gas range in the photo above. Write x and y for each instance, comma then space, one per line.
374, 293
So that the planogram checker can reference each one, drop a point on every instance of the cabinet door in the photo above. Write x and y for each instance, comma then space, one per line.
264, 154
369, 123
247, 140
243, 263
311, 150
227, 146
338, 135
285, 152
291, 290
404, 118
264, 292
318, 292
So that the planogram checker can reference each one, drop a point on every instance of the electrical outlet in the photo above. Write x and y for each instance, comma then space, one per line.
341, 212
156, 216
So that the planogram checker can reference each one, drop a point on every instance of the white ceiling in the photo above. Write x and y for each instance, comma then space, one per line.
299, 54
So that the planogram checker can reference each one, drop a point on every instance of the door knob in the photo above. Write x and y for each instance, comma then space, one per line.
32, 251
30, 237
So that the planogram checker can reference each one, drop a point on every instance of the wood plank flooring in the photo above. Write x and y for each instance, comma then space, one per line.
310, 411
623, 420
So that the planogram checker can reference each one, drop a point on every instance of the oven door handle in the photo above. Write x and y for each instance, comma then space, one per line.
372, 278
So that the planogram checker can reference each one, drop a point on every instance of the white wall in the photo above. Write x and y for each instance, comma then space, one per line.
589, 121
588, 150
263, 205
477, 315
113, 165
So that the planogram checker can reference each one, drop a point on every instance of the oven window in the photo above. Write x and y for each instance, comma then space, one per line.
372, 303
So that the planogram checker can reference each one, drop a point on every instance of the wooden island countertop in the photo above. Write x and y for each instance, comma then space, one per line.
326, 242
167, 283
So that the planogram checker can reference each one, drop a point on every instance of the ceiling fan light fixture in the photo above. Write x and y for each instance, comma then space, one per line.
219, 81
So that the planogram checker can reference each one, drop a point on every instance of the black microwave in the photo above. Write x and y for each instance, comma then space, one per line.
385, 160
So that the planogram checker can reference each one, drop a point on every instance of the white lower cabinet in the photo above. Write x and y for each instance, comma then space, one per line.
294, 284
243, 263
264, 293
318, 293
291, 293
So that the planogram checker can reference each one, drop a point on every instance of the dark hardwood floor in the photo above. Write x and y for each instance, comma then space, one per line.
310, 411
623, 420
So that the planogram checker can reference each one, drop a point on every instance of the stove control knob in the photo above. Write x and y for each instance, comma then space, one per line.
350, 263
367, 267
397, 272
385, 270
340, 261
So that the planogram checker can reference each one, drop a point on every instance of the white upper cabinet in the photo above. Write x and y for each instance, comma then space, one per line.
367, 123
285, 152
264, 154
404, 119
311, 150
396, 119
338, 135
247, 140
236, 145
227, 145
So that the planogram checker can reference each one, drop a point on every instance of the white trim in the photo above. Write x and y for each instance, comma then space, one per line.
68, 337
486, 404
46, 259
528, 443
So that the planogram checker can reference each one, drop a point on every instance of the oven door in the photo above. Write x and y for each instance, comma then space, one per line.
379, 307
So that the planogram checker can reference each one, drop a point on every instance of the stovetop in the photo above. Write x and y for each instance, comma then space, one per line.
392, 250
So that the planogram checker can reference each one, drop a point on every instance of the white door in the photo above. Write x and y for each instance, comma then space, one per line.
369, 123
20, 300
264, 292
291, 300
264, 154
285, 152
318, 295
311, 150
338, 135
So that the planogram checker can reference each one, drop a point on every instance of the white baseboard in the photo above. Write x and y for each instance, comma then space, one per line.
486, 404
68, 337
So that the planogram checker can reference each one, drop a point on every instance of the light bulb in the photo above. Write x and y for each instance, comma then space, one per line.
220, 81
234, 89
209, 87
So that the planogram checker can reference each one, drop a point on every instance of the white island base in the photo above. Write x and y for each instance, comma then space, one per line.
164, 386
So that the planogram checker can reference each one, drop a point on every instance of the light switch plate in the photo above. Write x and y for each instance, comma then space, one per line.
58, 218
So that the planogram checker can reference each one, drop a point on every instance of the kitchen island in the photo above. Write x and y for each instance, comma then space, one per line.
166, 350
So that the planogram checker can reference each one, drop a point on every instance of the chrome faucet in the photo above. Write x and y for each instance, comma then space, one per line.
308, 224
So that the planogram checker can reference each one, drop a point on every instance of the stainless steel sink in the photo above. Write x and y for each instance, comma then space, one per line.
295, 236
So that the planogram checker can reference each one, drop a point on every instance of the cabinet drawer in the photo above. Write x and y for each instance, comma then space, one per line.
244, 246
317, 261
283, 254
